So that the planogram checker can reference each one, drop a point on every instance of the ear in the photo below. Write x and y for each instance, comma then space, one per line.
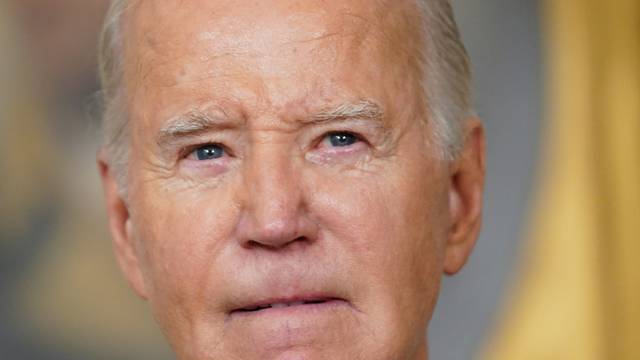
120, 227
465, 197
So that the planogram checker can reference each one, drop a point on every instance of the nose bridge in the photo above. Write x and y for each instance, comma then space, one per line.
271, 177
273, 197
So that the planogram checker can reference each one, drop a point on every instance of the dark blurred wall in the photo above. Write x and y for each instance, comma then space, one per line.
503, 39
61, 295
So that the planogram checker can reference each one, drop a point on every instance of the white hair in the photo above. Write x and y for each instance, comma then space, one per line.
446, 82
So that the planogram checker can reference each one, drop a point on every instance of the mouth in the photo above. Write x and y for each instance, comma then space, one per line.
298, 303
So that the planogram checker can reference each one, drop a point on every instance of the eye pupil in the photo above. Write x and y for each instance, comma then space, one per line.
209, 152
342, 139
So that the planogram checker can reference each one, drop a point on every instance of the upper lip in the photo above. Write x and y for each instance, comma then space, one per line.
285, 301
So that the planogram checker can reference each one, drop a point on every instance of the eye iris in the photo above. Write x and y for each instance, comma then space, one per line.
342, 139
209, 152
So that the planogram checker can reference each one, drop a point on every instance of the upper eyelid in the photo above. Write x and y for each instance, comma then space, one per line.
188, 149
364, 129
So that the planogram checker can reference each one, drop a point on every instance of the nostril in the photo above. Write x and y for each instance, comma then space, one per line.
273, 235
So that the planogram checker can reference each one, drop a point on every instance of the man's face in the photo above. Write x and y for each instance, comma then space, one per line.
286, 199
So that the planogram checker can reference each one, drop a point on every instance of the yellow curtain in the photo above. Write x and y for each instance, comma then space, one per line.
578, 294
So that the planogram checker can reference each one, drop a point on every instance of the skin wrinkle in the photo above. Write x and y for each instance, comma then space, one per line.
286, 213
198, 121
317, 38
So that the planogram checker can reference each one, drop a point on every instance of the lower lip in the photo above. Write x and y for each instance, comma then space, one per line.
297, 330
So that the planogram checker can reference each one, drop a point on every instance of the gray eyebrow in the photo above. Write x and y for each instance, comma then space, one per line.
192, 123
363, 109
197, 121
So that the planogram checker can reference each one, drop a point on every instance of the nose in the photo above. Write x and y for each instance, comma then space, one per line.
274, 213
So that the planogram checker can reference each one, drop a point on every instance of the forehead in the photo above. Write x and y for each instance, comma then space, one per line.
166, 20
268, 45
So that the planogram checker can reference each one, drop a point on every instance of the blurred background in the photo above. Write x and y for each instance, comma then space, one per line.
555, 275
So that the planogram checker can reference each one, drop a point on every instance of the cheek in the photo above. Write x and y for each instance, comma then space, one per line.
389, 214
183, 234
389, 223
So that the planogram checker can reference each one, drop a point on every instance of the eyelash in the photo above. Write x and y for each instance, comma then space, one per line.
187, 151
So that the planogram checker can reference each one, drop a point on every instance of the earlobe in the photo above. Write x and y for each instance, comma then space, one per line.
465, 198
121, 228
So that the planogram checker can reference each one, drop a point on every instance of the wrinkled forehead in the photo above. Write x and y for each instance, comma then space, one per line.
176, 27
163, 20
278, 54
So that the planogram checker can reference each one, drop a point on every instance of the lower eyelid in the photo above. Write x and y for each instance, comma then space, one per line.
358, 146
191, 161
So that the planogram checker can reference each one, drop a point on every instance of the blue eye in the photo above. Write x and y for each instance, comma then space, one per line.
340, 139
208, 152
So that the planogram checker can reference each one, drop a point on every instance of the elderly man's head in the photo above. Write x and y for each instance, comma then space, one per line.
289, 179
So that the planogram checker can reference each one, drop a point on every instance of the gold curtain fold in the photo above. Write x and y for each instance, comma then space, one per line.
578, 294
